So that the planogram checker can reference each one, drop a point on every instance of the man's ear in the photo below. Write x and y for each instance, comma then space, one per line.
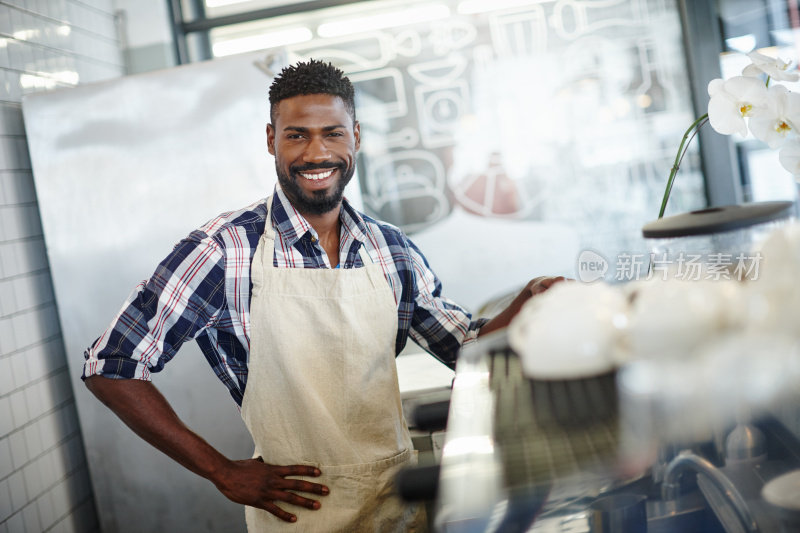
357, 134
271, 139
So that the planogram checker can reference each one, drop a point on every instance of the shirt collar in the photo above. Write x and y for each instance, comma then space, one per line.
291, 225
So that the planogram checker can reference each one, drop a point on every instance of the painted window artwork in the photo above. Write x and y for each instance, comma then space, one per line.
563, 114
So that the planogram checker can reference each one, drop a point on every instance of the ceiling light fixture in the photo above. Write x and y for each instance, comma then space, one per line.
471, 7
390, 19
221, 3
261, 41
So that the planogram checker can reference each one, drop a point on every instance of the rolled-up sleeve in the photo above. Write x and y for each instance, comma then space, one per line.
438, 325
182, 298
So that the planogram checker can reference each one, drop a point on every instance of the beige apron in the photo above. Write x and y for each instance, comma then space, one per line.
322, 390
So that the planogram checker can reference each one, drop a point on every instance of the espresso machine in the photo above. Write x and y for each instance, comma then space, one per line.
696, 428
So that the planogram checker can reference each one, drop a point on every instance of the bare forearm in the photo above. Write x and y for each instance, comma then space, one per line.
534, 287
503, 318
249, 481
142, 407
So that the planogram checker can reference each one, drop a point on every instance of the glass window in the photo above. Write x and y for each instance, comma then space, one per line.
259, 35
221, 8
512, 115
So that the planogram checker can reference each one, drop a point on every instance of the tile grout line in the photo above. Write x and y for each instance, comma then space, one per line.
70, 511
33, 501
22, 239
33, 381
59, 444
63, 51
66, 22
77, 431
38, 307
24, 275
51, 374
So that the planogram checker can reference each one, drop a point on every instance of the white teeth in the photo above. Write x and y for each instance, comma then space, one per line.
317, 177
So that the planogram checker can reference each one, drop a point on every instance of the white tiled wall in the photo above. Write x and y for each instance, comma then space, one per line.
44, 483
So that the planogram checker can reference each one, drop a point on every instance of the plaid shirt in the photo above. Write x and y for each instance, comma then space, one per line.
202, 291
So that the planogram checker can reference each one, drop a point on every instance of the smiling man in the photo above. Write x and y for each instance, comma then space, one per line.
300, 304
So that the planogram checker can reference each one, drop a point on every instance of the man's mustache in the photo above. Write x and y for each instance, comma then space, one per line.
319, 166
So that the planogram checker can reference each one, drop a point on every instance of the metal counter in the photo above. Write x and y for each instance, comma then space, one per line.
511, 465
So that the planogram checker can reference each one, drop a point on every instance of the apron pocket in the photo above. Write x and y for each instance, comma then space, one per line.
365, 496
362, 500
369, 468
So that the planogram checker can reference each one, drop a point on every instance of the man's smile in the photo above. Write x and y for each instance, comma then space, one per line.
316, 176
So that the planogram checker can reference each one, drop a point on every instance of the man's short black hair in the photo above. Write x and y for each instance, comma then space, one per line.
312, 77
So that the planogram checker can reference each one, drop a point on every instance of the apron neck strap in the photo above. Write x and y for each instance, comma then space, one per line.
269, 233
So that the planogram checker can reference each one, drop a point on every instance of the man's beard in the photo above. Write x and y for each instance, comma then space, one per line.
320, 201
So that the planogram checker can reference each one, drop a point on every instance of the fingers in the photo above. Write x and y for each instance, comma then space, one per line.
296, 499
280, 513
293, 499
541, 284
297, 470
285, 485
299, 485
266, 484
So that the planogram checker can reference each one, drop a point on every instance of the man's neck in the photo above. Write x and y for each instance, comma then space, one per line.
327, 227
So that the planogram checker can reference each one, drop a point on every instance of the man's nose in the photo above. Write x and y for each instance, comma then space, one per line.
317, 151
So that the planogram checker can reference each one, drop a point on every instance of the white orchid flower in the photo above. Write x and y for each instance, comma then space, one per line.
789, 156
732, 101
771, 113
780, 117
774, 67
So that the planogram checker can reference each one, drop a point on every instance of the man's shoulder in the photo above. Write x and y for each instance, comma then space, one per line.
246, 222
391, 233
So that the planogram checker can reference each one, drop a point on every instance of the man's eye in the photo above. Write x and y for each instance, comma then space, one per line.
336, 134
295, 136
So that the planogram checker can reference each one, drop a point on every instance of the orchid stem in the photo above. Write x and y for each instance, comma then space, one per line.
678, 157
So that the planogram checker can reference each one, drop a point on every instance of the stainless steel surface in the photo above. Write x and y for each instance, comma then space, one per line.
619, 513
745, 442
482, 488
123, 170
688, 461
687, 513
470, 484
688, 494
